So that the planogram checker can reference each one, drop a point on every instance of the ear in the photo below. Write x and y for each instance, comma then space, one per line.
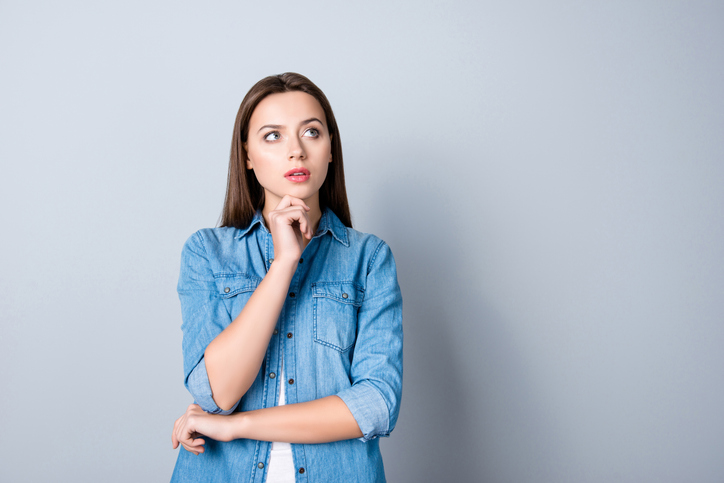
330, 157
248, 164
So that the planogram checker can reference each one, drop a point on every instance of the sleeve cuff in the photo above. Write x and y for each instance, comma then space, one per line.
368, 408
199, 387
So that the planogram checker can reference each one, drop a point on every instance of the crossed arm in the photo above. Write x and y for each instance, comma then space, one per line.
233, 359
320, 421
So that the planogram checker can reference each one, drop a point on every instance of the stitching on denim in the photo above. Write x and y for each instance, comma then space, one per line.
316, 318
330, 345
203, 246
338, 281
236, 292
243, 275
333, 296
374, 257
387, 406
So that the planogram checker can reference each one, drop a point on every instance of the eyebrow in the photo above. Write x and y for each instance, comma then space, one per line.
279, 126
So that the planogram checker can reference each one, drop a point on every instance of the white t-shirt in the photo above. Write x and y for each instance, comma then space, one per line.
281, 463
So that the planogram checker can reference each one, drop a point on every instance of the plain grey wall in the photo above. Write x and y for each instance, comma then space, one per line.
549, 178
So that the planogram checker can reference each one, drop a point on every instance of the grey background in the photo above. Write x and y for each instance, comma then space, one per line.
549, 178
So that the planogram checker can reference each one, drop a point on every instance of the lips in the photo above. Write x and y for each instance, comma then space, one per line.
297, 174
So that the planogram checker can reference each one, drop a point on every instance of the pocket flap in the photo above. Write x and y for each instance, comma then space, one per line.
345, 292
229, 285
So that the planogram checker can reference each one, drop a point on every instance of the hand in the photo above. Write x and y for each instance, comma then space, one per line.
196, 422
288, 223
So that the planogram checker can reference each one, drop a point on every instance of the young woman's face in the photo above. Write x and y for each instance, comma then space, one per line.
288, 146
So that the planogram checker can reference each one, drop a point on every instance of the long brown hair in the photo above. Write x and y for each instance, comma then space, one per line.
244, 194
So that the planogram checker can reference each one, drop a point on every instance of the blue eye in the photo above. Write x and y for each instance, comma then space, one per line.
273, 133
313, 131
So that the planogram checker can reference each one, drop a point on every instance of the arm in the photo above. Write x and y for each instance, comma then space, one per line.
376, 370
208, 331
369, 408
234, 357
319, 421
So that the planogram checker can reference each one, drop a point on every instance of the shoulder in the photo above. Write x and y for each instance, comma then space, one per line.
210, 242
371, 247
210, 237
366, 241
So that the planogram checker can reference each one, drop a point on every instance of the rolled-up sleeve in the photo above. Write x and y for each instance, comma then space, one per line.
198, 385
376, 369
204, 317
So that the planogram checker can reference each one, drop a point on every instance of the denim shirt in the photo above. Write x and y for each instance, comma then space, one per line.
339, 332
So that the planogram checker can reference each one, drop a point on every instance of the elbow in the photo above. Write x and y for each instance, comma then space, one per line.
223, 390
223, 400
227, 405
199, 386
212, 404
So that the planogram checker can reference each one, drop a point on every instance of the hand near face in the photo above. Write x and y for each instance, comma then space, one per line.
194, 423
289, 222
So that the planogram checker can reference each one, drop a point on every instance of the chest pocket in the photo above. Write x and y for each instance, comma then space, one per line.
335, 313
235, 290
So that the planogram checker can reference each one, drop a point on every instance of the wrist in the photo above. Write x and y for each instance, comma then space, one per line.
240, 424
284, 265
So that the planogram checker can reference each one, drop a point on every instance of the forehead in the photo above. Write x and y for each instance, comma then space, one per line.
286, 108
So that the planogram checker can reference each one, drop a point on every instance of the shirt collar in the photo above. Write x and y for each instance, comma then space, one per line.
328, 223
257, 219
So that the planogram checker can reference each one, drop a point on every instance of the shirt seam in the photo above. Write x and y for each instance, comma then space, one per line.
374, 257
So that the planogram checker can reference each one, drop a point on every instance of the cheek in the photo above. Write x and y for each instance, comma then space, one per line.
261, 160
326, 173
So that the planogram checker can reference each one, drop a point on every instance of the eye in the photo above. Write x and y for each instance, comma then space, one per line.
272, 136
312, 131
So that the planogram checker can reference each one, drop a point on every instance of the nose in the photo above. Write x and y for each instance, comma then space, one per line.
296, 150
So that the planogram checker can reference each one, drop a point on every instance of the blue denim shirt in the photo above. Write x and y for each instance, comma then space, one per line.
339, 332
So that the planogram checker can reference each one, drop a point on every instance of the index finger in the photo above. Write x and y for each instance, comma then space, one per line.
174, 441
289, 200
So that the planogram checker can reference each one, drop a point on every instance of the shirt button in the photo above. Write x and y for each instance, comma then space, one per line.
301, 470
291, 381
301, 260
344, 295
292, 295
227, 290
272, 375
276, 332
271, 260
289, 335
260, 466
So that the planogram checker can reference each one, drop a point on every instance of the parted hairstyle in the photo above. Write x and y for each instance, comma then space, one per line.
244, 194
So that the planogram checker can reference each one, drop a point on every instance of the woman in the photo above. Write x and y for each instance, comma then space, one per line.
292, 320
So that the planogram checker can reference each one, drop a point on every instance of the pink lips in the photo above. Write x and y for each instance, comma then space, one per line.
297, 175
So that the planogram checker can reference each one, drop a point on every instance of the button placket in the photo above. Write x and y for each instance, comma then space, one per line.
287, 327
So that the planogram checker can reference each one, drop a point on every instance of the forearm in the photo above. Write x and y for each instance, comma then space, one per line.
234, 357
319, 421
